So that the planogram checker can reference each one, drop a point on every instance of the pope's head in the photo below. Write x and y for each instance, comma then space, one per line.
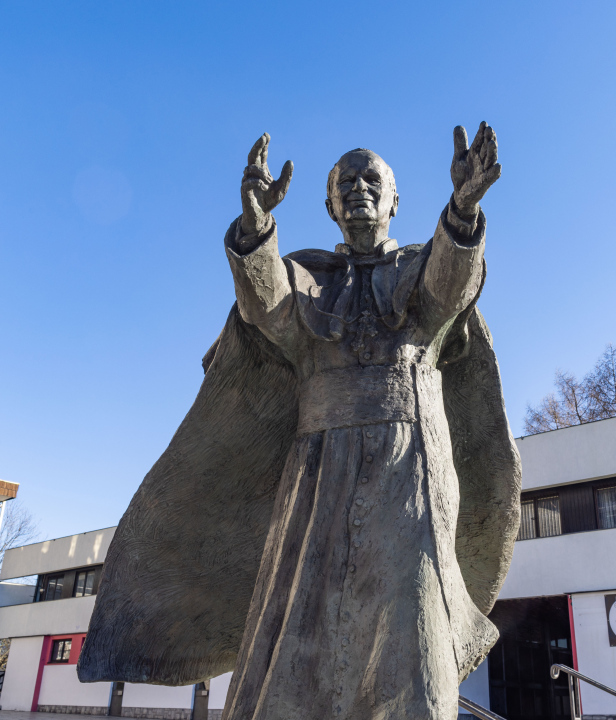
362, 198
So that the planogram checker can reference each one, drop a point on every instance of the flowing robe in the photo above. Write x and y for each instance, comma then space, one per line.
302, 527
360, 610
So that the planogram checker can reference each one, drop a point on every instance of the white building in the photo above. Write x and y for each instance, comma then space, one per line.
556, 601
555, 606
47, 624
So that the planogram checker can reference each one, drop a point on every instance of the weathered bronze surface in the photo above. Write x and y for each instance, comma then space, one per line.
335, 516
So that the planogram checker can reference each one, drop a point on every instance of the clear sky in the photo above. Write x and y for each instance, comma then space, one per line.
124, 129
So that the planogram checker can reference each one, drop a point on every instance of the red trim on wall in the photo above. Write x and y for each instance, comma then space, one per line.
573, 643
572, 631
45, 652
76, 645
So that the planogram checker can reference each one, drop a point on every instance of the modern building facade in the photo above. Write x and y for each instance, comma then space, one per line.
558, 604
47, 623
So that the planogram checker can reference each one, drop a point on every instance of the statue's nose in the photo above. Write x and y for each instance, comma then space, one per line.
360, 183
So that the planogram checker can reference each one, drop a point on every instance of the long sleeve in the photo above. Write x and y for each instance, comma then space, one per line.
454, 269
264, 294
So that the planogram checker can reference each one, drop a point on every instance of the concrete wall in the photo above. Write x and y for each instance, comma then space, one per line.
60, 686
157, 696
562, 565
21, 671
581, 452
15, 593
219, 687
73, 551
477, 687
54, 617
595, 656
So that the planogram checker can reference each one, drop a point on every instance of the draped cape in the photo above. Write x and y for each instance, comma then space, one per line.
181, 569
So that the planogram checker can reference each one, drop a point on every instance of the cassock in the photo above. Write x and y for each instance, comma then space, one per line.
349, 487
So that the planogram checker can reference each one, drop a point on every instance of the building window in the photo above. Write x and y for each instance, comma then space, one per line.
84, 583
52, 587
61, 651
548, 515
527, 521
540, 517
606, 507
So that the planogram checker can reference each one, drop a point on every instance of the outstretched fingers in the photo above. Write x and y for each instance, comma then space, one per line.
280, 186
258, 152
478, 141
492, 174
460, 142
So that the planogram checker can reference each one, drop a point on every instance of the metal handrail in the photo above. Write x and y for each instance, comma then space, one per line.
573, 681
477, 710
573, 678
555, 672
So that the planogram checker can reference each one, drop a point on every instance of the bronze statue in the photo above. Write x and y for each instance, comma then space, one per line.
335, 516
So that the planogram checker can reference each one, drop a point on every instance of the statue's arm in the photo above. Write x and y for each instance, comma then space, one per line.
454, 269
262, 286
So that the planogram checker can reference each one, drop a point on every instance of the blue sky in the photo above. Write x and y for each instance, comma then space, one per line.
124, 129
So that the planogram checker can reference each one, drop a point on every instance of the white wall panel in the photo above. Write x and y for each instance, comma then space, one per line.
595, 656
573, 454
73, 551
477, 687
15, 593
578, 562
54, 617
21, 671
61, 686
219, 686
157, 696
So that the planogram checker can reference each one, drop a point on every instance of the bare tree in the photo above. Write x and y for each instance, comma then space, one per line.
576, 402
18, 527
5, 646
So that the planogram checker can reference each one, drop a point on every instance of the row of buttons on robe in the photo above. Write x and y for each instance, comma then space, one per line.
359, 504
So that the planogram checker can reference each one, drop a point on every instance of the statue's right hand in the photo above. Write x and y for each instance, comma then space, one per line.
260, 192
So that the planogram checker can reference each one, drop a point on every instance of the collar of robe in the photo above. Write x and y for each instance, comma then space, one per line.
382, 253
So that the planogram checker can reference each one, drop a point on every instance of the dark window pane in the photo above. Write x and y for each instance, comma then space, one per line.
527, 702
513, 702
606, 507
61, 651
80, 584
51, 588
498, 703
59, 584
89, 583
548, 512
496, 669
527, 521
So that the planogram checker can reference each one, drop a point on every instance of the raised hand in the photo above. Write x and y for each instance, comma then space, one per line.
473, 169
260, 192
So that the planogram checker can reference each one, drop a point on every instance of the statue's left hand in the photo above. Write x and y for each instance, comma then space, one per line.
260, 192
473, 169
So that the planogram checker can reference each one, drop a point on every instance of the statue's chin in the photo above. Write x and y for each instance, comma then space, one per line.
361, 214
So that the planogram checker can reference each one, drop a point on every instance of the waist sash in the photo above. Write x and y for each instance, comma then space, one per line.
347, 397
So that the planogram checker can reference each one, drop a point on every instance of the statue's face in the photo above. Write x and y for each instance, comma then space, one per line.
363, 191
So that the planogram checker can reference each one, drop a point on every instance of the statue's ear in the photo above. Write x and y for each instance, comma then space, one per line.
394, 207
330, 210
